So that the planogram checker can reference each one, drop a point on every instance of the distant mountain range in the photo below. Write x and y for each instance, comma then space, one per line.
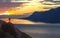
51, 16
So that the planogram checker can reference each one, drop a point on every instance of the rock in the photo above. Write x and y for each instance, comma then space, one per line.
7, 30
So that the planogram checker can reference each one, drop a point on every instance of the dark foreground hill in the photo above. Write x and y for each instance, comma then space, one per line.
7, 30
51, 16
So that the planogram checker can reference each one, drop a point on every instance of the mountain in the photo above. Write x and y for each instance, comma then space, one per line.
51, 16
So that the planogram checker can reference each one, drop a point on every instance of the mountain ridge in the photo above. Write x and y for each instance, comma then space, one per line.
51, 16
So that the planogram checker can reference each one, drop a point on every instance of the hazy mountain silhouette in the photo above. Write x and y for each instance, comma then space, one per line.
51, 16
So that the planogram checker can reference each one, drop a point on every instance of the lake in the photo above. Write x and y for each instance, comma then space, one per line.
40, 30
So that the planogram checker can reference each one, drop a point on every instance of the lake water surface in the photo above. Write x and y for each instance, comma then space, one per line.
40, 30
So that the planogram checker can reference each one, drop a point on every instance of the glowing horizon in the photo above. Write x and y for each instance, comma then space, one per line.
30, 7
22, 0
26, 8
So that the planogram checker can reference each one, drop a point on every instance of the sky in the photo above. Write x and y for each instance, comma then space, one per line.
26, 9
56, 0
24, 0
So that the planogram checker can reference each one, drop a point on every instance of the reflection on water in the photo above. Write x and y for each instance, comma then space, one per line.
20, 21
41, 31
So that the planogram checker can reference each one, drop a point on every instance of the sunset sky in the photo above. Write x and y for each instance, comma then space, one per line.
22, 0
40, 0
25, 9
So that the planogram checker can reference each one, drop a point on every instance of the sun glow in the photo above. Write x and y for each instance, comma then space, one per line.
30, 7
26, 8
